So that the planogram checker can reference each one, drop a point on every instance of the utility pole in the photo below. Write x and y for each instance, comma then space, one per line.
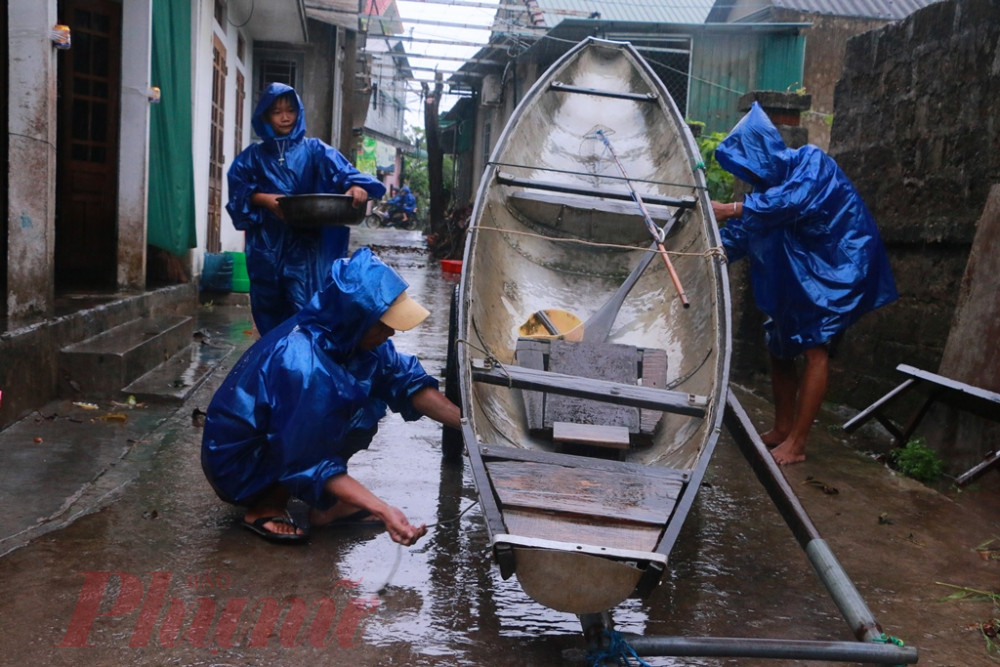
435, 158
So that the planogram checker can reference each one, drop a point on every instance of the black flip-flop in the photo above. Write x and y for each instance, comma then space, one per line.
257, 528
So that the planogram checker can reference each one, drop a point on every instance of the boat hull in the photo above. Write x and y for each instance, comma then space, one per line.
587, 445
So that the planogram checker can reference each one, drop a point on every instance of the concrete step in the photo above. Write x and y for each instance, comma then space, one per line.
100, 366
177, 378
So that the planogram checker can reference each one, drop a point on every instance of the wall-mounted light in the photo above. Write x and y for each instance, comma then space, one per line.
153, 95
60, 36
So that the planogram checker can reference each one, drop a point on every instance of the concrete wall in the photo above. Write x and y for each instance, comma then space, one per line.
826, 41
31, 165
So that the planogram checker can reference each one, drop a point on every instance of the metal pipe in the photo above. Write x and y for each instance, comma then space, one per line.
790, 649
838, 584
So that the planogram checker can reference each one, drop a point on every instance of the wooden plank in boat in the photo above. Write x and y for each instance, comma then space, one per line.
600, 361
548, 206
654, 374
616, 437
597, 92
516, 377
582, 530
531, 354
489, 452
508, 179
609, 495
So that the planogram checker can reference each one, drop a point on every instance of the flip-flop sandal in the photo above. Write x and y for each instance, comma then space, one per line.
359, 519
257, 527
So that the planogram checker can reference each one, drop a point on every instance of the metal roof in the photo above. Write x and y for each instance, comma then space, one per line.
637, 11
889, 10
892, 10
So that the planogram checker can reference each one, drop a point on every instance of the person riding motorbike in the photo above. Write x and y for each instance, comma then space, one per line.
403, 206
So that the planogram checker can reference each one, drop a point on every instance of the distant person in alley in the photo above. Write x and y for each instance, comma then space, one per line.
286, 265
817, 264
308, 395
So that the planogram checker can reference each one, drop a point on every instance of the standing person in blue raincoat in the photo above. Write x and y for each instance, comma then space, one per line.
403, 205
817, 264
286, 265
308, 395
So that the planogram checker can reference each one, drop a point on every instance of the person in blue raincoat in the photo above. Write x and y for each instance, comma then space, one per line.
403, 205
285, 264
817, 264
308, 395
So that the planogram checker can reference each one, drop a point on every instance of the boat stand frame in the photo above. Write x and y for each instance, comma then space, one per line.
872, 645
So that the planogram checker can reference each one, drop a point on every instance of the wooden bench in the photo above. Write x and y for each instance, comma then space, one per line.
579, 499
592, 394
957, 394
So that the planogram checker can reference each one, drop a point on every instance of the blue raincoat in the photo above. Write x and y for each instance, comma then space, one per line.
817, 263
287, 265
404, 201
302, 400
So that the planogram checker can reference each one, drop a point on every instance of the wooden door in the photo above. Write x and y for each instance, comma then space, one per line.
86, 241
217, 158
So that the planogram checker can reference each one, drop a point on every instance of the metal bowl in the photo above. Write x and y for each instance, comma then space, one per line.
320, 210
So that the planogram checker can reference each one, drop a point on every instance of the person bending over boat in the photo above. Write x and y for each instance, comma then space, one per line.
817, 264
309, 394
287, 265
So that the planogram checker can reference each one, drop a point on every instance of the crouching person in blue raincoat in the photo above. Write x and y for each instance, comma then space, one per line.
287, 265
817, 264
308, 395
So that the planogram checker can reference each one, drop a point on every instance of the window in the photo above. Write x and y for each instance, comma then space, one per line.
220, 13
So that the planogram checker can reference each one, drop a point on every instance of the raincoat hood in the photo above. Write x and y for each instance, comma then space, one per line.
259, 120
755, 152
361, 288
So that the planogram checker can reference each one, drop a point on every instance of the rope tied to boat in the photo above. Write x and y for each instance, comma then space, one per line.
617, 650
888, 639
710, 252
489, 360
399, 547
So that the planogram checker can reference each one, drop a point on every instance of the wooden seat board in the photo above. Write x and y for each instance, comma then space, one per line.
654, 374
581, 530
599, 361
491, 452
602, 494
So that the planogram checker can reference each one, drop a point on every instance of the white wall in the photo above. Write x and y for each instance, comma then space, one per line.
204, 28
133, 152
32, 125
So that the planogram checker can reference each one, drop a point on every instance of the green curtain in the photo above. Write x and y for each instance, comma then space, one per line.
171, 169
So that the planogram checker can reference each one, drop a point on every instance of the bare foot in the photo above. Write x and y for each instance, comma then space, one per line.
773, 438
788, 452
338, 511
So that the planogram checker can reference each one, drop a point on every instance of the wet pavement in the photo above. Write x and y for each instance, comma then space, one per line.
115, 550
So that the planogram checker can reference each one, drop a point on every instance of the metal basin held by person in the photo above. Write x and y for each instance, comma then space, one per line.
320, 210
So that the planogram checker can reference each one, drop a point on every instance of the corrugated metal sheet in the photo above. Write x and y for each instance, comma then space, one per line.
727, 64
891, 10
335, 12
639, 11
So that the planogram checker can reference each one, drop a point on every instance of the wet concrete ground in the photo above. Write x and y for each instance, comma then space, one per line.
139, 563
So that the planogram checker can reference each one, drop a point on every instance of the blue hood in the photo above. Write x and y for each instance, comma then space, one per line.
755, 152
360, 290
259, 121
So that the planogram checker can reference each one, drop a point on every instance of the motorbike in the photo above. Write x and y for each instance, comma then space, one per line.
383, 216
